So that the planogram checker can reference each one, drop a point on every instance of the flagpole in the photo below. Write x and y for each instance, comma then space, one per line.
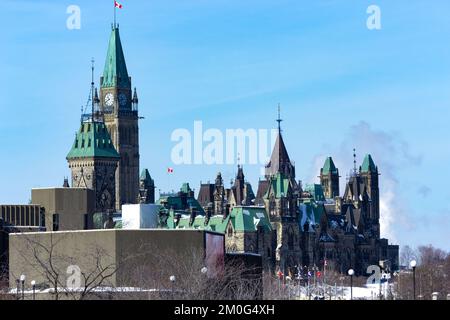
114, 14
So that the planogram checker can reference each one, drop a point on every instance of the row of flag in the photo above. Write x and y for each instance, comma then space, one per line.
310, 274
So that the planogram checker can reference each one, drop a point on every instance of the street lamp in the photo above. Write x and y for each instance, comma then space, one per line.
17, 289
288, 279
351, 272
172, 280
22, 280
33, 286
413, 264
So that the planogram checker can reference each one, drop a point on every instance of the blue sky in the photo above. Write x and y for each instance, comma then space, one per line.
229, 63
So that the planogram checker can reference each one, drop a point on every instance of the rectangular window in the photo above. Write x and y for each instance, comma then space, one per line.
42, 216
13, 215
55, 222
3, 213
27, 216
86, 222
22, 216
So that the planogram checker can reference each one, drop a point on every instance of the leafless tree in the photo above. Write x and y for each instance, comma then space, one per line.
48, 261
432, 274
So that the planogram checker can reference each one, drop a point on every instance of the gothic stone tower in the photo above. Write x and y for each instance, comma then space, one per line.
219, 195
369, 174
329, 179
93, 162
281, 202
119, 108
146, 188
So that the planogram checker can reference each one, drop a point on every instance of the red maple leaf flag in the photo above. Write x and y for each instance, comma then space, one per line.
169, 170
117, 4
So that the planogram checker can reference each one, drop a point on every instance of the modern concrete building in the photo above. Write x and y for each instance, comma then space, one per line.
27, 217
65, 208
133, 258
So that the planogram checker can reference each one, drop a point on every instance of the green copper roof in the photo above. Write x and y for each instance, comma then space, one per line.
145, 175
243, 219
329, 167
248, 219
280, 185
115, 72
316, 191
176, 202
368, 164
93, 140
185, 188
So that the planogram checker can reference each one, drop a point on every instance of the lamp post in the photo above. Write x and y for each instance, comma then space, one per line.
351, 272
413, 264
22, 280
33, 286
288, 279
172, 280
17, 289
204, 272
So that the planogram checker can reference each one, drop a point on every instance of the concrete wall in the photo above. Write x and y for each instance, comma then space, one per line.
70, 203
138, 256
29, 254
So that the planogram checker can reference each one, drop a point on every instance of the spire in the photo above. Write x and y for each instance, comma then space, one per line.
115, 72
96, 99
66, 183
92, 87
145, 176
279, 160
354, 161
240, 173
329, 167
368, 164
135, 97
279, 120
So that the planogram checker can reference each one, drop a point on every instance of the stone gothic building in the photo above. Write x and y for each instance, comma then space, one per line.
311, 226
105, 154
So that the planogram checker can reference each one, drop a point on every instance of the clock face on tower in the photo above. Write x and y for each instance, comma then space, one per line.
109, 99
122, 99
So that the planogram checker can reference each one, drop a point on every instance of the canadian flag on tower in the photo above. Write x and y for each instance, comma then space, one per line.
117, 4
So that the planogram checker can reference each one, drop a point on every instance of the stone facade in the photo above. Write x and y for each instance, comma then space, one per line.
118, 106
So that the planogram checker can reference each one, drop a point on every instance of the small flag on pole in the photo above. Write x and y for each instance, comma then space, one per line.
117, 5
169, 170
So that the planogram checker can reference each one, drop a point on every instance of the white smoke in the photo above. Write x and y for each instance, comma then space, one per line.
389, 152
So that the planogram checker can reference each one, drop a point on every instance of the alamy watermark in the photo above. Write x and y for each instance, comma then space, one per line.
374, 19
214, 146
73, 22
